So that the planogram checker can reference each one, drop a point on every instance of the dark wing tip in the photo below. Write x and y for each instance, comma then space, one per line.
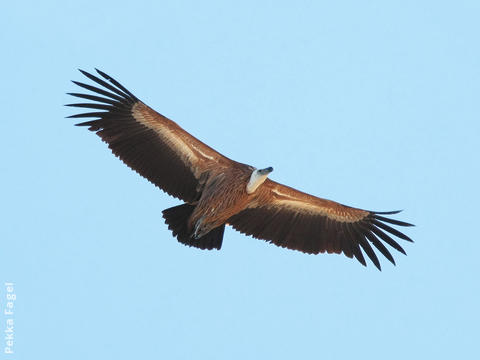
387, 212
376, 262
116, 83
361, 240
86, 73
106, 76
375, 228
391, 221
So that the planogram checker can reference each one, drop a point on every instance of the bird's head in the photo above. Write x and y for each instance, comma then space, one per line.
257, 178
265, 171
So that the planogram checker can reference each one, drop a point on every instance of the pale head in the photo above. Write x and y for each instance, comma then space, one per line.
257, 178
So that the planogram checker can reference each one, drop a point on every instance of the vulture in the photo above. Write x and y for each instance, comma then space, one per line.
217, 191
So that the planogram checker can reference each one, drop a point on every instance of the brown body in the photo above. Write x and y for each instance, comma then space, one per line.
224, 195
214, 187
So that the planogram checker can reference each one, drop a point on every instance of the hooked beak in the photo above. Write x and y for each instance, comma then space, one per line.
266, 171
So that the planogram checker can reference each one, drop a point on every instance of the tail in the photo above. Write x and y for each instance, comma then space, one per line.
177, 220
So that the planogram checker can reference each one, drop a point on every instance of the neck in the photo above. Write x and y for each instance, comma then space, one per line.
255, 181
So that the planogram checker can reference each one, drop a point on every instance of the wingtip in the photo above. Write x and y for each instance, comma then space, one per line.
387, 212
377, 265
359, 257
101, 73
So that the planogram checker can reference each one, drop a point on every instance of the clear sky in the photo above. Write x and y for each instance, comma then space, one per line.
373, 104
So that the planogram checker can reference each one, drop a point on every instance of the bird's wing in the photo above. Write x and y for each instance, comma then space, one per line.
148, 142
289, 218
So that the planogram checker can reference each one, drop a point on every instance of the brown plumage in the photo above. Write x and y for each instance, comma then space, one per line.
218, 191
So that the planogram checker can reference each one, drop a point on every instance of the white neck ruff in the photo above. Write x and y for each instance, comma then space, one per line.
255, 181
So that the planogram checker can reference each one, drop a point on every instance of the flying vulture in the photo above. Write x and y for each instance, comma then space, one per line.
218, 191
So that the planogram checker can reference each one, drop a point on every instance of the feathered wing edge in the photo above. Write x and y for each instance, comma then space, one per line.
332, 228
149, 143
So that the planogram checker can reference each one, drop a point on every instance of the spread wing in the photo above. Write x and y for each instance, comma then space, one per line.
148, 142
289, 218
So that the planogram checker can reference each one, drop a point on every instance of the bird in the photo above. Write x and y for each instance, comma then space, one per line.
217, 191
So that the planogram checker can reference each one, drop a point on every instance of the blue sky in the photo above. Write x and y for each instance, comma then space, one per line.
371, 104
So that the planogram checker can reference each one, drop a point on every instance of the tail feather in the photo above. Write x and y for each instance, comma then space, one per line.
177, 220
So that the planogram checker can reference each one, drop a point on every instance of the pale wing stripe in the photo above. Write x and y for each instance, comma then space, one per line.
189, 151
180, 147
202, 153
297, 205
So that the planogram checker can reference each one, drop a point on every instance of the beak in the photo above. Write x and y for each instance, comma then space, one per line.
266, 170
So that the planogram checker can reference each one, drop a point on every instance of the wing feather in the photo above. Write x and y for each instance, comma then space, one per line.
295, 220
148, 142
